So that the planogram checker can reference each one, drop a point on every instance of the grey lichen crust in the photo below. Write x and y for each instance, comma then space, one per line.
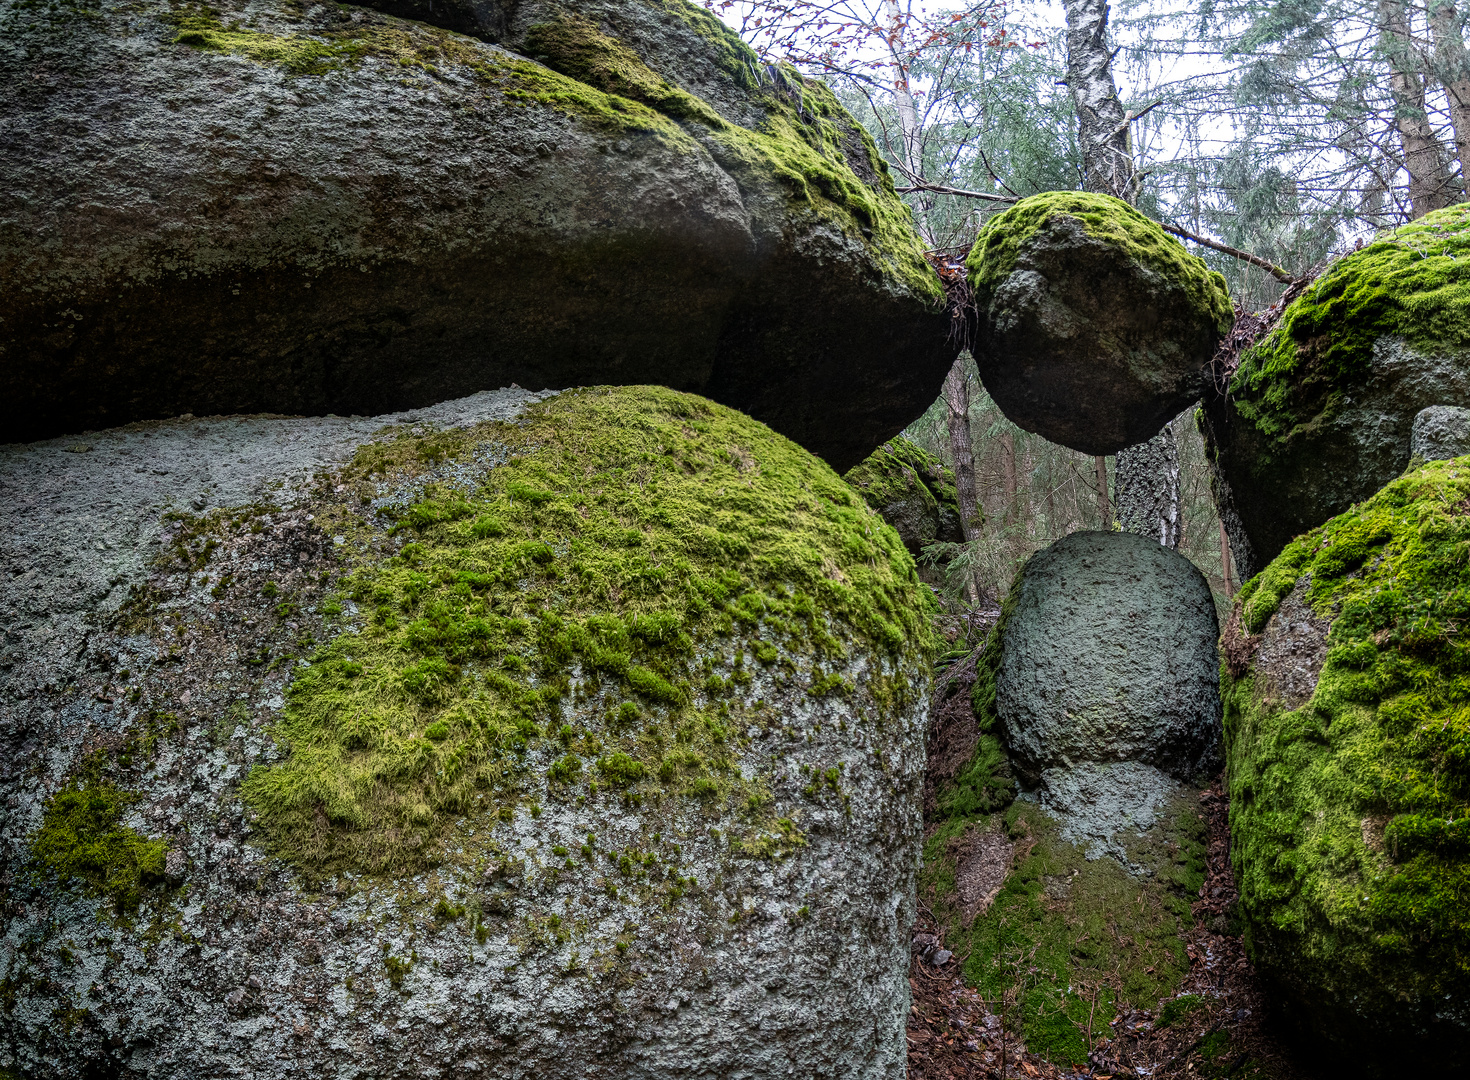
1109, 665
347, 212
597, 936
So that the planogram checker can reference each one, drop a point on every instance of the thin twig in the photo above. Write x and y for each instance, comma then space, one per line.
1132, 117
941, 189
1255, 260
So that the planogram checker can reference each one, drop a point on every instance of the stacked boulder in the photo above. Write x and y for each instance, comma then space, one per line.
328, 209
525, 735
1320, 414
1347, 692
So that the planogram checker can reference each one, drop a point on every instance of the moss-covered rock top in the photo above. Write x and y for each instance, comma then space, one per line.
1348, 812
1000, 241
634, 553
913, 490
1413, 283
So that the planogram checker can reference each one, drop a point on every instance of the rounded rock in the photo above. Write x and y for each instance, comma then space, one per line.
1320, 413
541, 731
1440, 432
276, 207
1346, 695
1095, 326
1108, 654
913, 491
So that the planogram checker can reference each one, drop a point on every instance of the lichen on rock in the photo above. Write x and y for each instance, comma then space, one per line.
1348, 793
688, 208
564, 719
1319, 414
1096, 326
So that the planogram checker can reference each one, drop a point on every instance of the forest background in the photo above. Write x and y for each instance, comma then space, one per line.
1291, 130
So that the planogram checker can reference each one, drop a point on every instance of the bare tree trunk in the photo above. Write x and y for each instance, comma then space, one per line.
1104, 511
1147, 475
1452, 66
1225, 560
1107, 161
1008, 474
957, 404
1147, 478
911, 153
1430, 188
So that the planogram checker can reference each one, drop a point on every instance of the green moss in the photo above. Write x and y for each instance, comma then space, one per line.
1346, 813
1068, 940
575, 46
200, 28
1413, 282
82, 839
891, 473
1105, 218
676, 534
800, 145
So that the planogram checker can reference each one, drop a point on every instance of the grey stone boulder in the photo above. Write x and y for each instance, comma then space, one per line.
913, 491
1095, 326
327, 209
1320, 413
501, 738
1108, 655
1440, 432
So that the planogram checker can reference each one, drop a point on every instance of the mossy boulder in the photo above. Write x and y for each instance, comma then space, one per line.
330, 209
1095, 326
542, 730
1319, 415
1347, 721
912, 490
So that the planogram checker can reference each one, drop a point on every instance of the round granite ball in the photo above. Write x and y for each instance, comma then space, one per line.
1108, 655
1095, 326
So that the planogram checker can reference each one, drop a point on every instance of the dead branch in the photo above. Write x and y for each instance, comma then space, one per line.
1255, 260
941, 189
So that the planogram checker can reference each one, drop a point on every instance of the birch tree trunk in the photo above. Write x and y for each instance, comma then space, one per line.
1146, 476
1452, 67
1104, 511
911, 151
1107, 158
1430, 188
1148, 504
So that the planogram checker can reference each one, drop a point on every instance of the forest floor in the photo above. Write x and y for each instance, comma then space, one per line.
1217, 1026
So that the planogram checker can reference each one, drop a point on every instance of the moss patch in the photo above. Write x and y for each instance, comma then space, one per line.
889, 474
1347, 814
1413, 282
595, 599
1067, 940
801, 143
82, 839
1105, 218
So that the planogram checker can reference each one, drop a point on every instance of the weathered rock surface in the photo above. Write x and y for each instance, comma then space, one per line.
526, 735
1095, 326
1440, 432
912, 490
1348, 782
1108, 665
1320, 413
328, 209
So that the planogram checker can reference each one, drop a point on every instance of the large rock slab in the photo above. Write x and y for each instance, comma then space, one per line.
1320, 413
522, 736
1345, 695
1095, 326
270, 206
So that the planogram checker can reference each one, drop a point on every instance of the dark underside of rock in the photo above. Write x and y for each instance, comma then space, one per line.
339, 211
1084, 337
